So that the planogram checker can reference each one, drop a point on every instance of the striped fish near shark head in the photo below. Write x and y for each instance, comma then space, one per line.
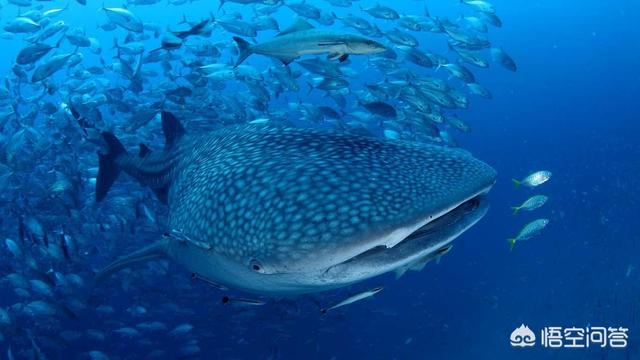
274, 210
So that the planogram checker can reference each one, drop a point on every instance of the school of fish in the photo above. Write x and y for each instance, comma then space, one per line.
342, 111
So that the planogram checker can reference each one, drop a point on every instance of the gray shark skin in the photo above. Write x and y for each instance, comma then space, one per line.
284, 211
303, 39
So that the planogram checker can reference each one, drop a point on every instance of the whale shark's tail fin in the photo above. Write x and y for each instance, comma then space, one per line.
109, 169
151, 168
172, 129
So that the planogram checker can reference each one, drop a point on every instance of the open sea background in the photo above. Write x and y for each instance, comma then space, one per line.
571, 108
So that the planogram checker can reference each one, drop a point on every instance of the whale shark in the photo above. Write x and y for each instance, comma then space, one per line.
280, 211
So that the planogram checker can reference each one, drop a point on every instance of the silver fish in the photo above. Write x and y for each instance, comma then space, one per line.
303, 39
534, 179
528, 231
357, 297
532, 203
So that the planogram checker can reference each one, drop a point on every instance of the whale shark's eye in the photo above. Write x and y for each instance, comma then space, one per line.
256, 266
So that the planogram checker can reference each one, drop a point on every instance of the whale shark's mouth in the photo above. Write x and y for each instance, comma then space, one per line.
450, 218
429, 240
447, 219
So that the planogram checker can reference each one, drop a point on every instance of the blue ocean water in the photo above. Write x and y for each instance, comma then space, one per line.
570, 108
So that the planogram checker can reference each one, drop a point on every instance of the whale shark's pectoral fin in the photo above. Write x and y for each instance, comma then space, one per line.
151, 252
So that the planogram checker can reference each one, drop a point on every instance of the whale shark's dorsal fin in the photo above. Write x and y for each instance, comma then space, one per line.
299, 25
172, 129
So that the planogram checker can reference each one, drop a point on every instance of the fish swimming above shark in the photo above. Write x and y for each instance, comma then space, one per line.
276, 210
303, 39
